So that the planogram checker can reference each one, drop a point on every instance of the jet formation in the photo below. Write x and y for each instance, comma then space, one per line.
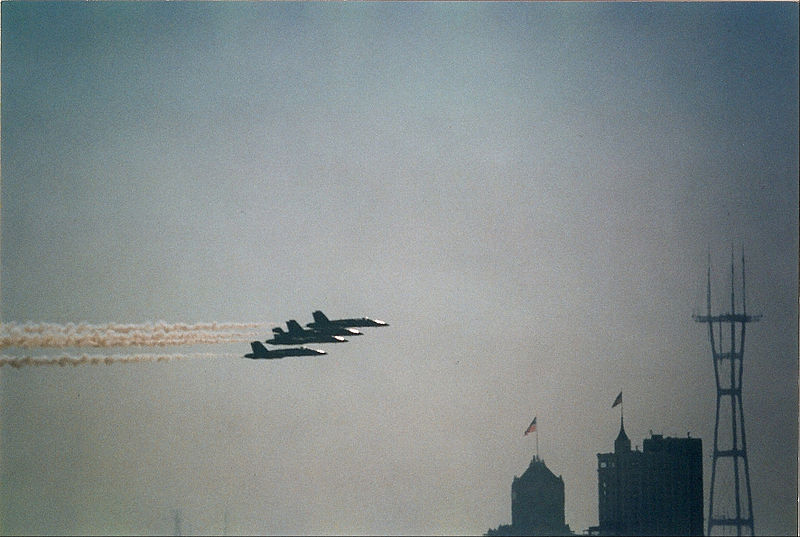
322, 330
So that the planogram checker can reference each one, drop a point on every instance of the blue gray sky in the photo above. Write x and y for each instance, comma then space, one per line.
527, 192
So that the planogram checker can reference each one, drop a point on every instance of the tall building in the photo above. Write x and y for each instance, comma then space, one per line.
657, 491
537, 504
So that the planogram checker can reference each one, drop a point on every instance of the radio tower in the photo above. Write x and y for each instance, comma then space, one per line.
729, 385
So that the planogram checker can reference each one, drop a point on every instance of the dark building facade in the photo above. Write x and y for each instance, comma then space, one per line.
537, 504
656, 491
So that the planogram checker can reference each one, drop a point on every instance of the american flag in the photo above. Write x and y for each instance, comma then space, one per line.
531, 428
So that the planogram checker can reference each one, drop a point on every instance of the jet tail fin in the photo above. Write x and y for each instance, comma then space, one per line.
320, 317
294, 326
258, 348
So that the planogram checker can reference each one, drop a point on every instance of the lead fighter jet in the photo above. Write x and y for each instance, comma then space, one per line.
336, 330
298, 335
321, 322
261, 352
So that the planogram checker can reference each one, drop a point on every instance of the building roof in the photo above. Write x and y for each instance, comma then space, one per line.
538, 471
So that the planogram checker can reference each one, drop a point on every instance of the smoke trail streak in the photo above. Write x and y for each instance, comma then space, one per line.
65, 360
124, 335
118, 327
156, 339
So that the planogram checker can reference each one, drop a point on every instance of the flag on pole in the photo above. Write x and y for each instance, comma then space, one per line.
531, 428
618, 400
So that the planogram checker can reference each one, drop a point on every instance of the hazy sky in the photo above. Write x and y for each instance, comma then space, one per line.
528, 193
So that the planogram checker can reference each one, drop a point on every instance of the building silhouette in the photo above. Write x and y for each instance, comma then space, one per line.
657, 491
537, 503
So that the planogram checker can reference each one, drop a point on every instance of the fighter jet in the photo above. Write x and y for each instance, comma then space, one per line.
335, 330
261, 352
298, 335
321, 322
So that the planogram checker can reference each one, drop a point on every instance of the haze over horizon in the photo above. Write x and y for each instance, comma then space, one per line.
528, 193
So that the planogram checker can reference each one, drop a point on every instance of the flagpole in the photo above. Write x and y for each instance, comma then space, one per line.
537, 442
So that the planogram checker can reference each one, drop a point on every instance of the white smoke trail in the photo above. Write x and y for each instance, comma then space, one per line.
65, 360
39, 328
152, 339
158, 334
